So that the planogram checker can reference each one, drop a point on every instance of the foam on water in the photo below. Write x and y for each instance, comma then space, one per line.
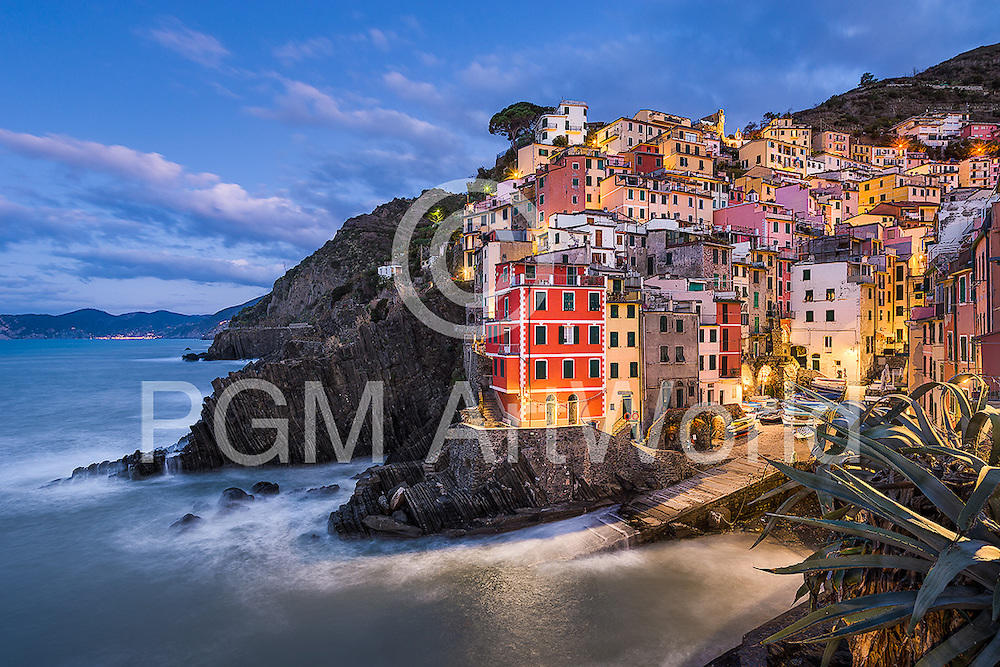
92, 572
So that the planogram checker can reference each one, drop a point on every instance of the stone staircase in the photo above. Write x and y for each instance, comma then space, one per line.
489, 406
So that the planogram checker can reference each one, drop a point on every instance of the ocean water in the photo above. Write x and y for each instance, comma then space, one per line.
91, 573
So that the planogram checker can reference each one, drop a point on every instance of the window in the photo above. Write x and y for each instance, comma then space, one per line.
614, 310
663, 323
830, 293
595, 335
713, 335
806, 274
711, 362
829, 316
569, 334
594, 301
540, 299
664, 353
569, 301
567, 368
633, 369
595, 368
679, 353
529, 271
541, 370
680, 326
701, 362
630, 339
613, 339
630, 310
540, 334
828, 342
809, 316
613, 369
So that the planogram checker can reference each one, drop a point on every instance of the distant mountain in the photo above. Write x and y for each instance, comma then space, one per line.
969, 82
91, 323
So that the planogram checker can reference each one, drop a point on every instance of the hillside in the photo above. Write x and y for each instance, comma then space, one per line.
91, 323
969, 82
335, 285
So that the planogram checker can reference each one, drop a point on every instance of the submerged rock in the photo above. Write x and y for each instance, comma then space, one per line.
186, 522
264, 489
327, 490
234, 497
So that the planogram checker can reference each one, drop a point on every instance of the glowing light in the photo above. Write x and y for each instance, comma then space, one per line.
436, 214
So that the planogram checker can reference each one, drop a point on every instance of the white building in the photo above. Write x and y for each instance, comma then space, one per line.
593, 229
568, 120
833, 317
932, 129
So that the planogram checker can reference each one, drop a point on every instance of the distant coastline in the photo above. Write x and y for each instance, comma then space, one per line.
89, 323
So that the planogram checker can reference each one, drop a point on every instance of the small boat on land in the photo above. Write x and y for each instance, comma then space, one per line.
741, 427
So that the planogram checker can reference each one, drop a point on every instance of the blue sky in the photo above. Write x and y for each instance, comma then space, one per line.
183, 155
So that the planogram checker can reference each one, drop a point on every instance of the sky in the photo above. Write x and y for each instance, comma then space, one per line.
183, 155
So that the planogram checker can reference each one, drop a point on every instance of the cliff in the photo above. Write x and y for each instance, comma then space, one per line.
348, 327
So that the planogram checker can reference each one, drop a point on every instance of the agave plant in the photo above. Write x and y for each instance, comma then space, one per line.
916, 548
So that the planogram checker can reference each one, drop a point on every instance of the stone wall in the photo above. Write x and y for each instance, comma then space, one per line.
586, 461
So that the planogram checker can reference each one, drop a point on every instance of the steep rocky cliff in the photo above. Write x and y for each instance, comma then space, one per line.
348, 327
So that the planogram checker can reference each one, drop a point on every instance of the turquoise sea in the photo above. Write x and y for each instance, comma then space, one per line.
92, 574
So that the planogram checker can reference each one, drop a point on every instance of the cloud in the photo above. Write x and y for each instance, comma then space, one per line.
295, 51
198, 203
140, 263
118, 160
302, 103
196, 46
379, 38
419, 91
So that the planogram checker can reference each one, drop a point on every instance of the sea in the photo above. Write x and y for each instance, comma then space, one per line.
91, 573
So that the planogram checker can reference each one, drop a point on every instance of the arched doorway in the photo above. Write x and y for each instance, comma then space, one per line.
573, 408
550, 410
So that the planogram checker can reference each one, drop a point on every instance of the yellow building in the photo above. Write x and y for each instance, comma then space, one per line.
978, 171
896, 188
785, 130
775, 154
623, 353
683, 149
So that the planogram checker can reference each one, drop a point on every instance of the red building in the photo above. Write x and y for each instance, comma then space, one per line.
560, 186
983, 131
728, 317
643, 159
546, 343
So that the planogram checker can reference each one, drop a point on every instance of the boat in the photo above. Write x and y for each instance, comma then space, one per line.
769, 417
741, 427
805, 432
829, 388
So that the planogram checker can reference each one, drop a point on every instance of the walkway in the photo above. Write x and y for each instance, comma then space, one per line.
731, 484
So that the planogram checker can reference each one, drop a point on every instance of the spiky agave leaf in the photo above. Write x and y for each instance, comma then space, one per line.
887, 436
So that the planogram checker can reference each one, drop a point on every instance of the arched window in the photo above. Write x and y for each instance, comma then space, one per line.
550, 410
573, 408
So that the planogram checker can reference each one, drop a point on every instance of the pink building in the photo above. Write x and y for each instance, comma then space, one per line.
762, 223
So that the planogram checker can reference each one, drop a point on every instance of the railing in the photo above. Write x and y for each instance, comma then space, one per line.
506, 349
560, 281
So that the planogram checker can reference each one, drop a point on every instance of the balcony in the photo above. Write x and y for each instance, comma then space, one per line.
560, 281
861, 280
633, 296
503, 349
